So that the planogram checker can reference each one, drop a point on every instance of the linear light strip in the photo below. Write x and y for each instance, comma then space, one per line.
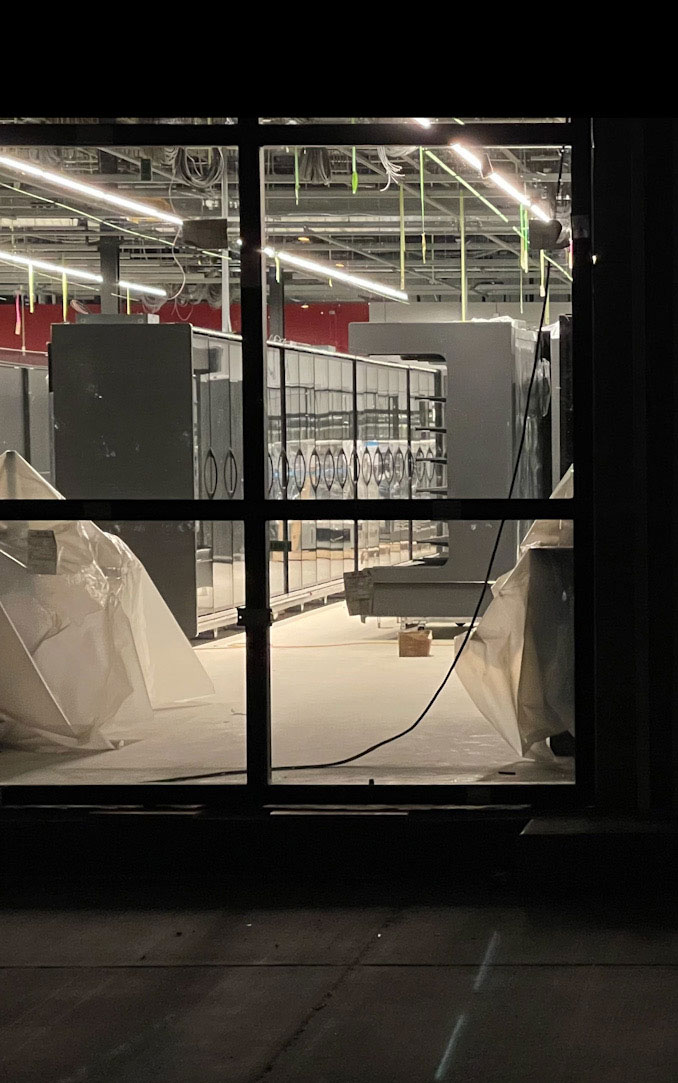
500, 181
426, 123
76, 273
152, 291
156, 238
333, 273
51, 268
100, 195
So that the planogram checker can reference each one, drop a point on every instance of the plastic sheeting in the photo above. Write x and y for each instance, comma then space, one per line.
518, 664
91, 640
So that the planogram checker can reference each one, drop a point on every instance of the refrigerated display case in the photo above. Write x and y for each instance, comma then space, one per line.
148, 410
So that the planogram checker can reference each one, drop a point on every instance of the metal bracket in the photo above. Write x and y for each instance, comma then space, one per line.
254, 618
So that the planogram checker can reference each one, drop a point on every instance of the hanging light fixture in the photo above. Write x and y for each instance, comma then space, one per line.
332, 273
98, 195
76, 274
483, 166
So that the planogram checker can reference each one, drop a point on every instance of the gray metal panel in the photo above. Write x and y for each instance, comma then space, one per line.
122, 404
480, 362
12, 434
39, 421
168, 552
124, 427
220, 425
479, 411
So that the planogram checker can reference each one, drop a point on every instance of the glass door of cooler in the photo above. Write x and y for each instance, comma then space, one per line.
221, 441
278, 470
295, 405
206, 479
233, 472
309, 429
367, 443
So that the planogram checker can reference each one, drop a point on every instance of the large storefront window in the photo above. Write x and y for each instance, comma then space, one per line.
203, 348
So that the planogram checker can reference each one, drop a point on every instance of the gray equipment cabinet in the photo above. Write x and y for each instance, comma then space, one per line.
24, 408
147, 411
487, 364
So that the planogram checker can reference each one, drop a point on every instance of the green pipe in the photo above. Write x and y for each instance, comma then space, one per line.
443, 165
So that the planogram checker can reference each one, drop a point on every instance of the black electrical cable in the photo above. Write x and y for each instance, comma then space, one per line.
486, 583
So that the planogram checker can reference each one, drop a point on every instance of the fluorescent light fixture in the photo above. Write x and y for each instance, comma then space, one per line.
152, 291
51, 268
501, 182
467, 155
76, 274
59, 180
424, 121
339, 276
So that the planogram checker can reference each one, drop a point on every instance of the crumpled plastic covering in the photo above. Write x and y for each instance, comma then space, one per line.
523, 683
94, 644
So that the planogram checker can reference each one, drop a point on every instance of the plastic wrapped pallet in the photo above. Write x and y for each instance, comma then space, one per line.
92, 641
518, 665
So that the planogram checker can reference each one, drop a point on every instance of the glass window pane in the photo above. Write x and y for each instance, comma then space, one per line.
355, 672
113, 672
121, 261
456, 262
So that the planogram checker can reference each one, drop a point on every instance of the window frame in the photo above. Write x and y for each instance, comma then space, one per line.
250, 137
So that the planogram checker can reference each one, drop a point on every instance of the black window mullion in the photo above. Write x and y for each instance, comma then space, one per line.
243, 133
585, 646
249, 135
253, 310
255, 510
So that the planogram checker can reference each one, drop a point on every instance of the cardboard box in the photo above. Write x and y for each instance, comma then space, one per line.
415, 643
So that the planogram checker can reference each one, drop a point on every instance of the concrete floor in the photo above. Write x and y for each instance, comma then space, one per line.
337, 687
486, 989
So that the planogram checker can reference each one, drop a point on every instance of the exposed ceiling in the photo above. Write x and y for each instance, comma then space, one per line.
360, 229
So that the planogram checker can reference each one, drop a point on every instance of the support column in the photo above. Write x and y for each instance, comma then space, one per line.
109, 246
109, 261
256, 616
276, 301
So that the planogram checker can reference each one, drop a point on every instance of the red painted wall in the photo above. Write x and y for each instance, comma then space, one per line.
318, 325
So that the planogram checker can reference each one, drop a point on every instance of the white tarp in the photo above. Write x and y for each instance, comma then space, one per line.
524, 692
91, 639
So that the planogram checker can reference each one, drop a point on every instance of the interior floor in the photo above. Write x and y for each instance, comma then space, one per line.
338, 686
